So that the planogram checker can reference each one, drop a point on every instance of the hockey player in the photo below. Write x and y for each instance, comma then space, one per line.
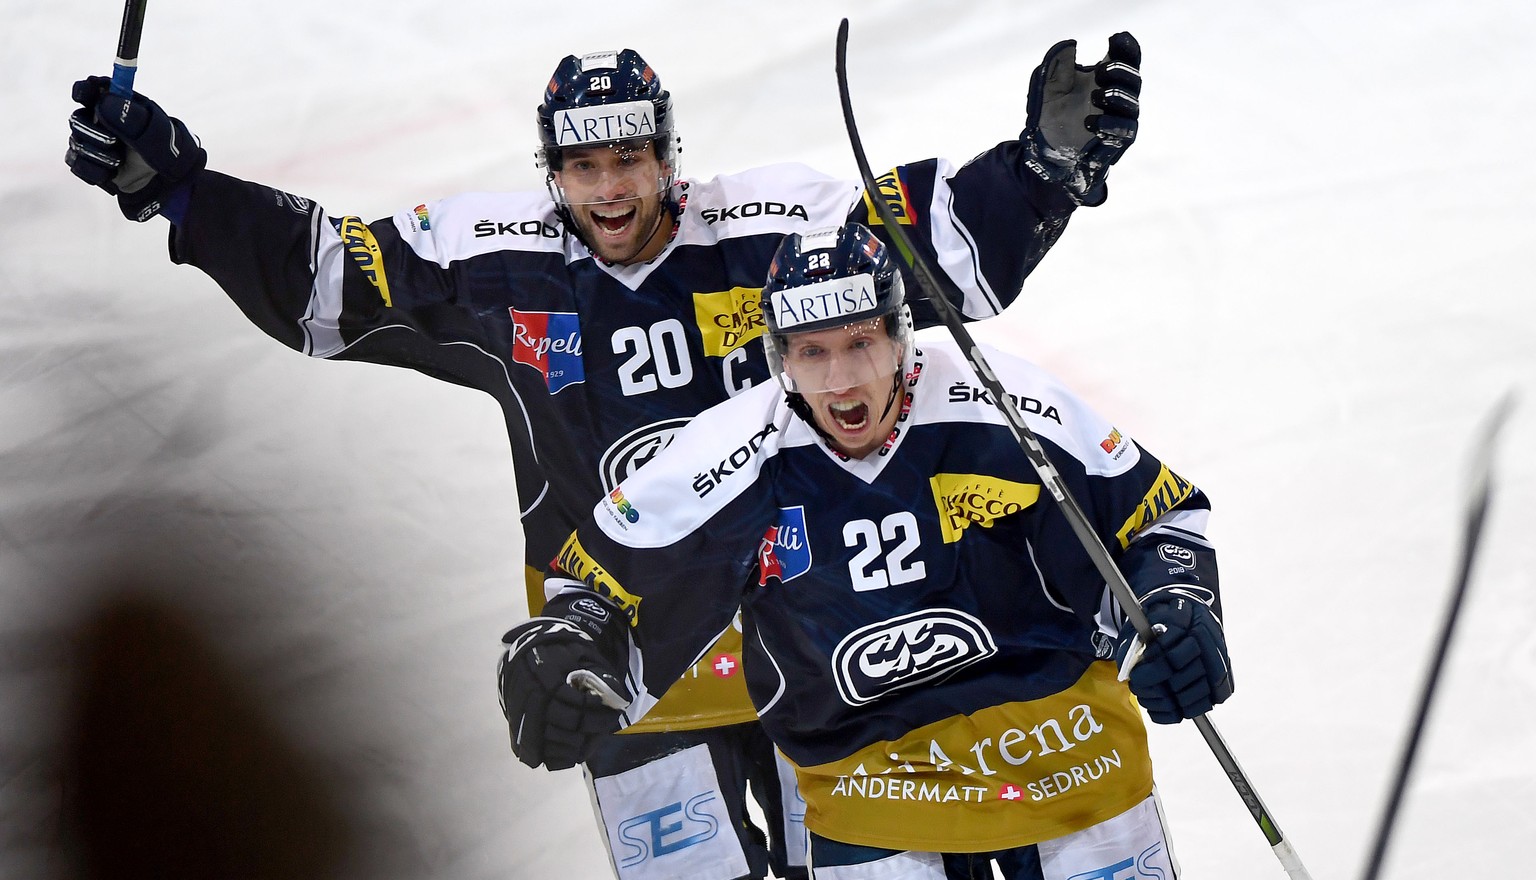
602, 315
927, 641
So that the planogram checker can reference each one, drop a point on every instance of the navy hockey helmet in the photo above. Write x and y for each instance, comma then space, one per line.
838, 277
605, 98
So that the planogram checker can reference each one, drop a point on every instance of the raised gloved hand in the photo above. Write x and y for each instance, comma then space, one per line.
1081, 119
560, 694
130, 148
1185, 670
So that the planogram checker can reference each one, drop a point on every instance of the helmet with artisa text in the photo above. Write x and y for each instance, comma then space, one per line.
606, 98
834, 277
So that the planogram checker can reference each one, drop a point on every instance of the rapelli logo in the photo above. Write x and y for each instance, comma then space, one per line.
728, 319
963, 499
550, 342
785, 552
906, 651
364, 250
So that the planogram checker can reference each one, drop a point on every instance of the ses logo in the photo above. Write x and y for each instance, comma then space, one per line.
785, 552
550, 342
666, 830
1151, 864
906, 651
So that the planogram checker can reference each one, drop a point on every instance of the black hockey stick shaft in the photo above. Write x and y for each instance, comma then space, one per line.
127, 62
943, 295
1479, 495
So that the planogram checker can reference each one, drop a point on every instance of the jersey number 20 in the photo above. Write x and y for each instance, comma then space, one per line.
660, 353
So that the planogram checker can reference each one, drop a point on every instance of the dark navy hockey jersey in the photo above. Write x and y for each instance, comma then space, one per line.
595, 366
926, 638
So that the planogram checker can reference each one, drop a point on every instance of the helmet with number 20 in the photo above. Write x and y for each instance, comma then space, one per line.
606, 99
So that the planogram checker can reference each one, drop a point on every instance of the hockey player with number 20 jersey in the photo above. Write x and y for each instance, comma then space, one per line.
927, 642
602, 315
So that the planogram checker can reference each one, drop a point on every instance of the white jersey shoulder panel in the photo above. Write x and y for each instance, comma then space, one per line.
957, 250
1050, 409
469, 224
710, 462
776, 199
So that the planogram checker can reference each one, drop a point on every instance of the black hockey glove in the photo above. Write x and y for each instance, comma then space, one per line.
559, 691
1185, 670
1081, 119
130, 148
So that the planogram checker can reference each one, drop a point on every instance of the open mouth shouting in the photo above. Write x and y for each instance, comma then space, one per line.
613, 221
850, 416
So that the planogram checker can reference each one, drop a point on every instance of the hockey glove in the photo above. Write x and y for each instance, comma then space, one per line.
1185, 670
560, 694
1081, 119
130, 148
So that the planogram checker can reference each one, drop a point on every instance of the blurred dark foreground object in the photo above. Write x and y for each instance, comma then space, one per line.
172, 770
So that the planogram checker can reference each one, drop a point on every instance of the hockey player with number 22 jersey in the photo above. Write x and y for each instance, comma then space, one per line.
926, 640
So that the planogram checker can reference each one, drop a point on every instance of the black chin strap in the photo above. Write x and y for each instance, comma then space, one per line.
799, 407
662, 215
895, 392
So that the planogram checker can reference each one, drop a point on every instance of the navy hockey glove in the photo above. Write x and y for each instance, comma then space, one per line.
130, 148
1185, 670
1081, 119
560, 694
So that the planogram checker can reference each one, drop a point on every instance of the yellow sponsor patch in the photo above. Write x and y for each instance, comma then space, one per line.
364, 250
575, 561
895, 195
728, 319
1001, 777
1167, 491
963, 499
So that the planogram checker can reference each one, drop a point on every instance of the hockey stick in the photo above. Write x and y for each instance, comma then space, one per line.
127, 62
1478, 497
939, 294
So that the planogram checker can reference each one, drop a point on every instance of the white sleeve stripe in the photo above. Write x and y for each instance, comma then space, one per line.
1188, 525
321, 322
768, 706
957, 250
